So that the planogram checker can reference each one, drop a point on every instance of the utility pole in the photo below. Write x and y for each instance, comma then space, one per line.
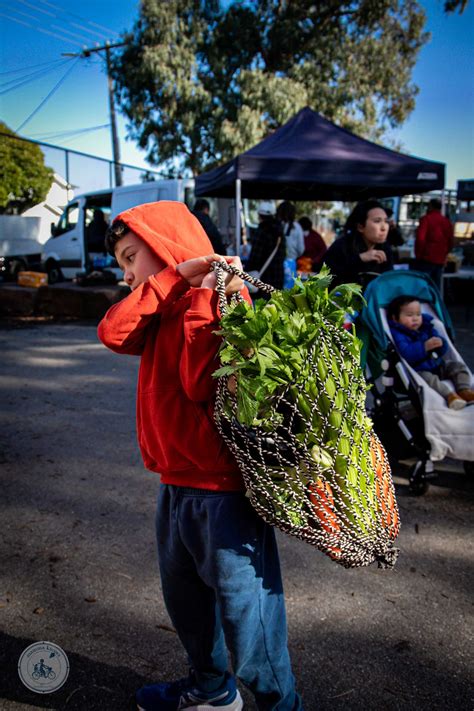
113, 122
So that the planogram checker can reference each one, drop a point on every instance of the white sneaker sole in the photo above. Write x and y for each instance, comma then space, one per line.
236, 705
457, 404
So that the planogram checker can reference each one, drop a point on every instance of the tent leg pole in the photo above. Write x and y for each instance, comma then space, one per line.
238, 192
443, 202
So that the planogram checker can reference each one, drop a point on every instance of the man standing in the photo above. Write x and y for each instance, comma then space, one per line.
201, 211
434, 239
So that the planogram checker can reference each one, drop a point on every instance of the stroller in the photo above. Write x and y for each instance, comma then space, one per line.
411, 419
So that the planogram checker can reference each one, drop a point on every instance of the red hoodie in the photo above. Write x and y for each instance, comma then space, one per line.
434, 238
170, 325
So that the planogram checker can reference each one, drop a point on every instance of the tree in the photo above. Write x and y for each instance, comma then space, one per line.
200, 81
453, 5
24, 178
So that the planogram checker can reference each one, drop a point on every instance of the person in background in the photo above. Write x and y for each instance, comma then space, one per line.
267, 236
286, 213
395, 237
201, 211
362, 251
95, 232
315, 246
434, 239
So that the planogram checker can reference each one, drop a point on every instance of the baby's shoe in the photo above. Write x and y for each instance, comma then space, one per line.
467, 395
455, 402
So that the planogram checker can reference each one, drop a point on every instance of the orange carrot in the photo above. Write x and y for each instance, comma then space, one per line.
384, 487
322, 498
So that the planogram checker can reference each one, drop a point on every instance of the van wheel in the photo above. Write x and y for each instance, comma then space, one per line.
54, 272
469, 468
17, 266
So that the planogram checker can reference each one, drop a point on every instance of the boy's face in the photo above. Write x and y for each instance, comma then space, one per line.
137, 260
410, 315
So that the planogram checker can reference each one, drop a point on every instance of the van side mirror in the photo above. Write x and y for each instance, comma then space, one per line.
53, 229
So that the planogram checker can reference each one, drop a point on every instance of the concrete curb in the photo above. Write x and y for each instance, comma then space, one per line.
61, 300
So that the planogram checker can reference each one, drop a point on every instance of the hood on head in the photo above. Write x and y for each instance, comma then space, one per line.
169, 229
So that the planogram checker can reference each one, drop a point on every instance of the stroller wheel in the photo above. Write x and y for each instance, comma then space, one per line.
417, 484
468, 467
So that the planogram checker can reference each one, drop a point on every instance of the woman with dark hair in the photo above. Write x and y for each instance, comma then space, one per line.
286, 213
268, 240
362, 251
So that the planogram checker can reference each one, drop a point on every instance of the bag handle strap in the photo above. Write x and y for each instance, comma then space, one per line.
220, 268
270, 258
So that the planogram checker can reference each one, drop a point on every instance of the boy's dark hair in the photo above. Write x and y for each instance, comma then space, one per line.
114, 234
435, 204
395, 306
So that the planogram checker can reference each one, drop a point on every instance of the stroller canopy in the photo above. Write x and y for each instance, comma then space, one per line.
400, 282
310, 158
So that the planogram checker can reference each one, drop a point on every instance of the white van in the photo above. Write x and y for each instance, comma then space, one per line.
77, 241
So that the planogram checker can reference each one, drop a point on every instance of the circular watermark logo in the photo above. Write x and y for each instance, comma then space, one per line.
43, 667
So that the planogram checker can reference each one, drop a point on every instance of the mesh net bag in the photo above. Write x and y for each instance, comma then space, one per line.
290, 406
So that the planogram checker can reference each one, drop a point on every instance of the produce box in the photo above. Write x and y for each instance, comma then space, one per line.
35, 279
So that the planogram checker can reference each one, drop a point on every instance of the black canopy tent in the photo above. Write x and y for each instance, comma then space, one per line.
310, 158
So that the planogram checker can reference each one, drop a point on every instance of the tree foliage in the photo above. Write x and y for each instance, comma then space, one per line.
453, 5
24, 178
200, 81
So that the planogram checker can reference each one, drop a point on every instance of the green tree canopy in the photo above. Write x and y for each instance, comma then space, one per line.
200, 81
24, 178
453, 5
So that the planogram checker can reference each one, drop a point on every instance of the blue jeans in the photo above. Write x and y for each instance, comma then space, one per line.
222, 587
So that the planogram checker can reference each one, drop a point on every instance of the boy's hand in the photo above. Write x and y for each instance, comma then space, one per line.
432, 343
233, 283
196, 272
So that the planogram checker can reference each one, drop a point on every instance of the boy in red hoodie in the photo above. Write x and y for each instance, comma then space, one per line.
218, 560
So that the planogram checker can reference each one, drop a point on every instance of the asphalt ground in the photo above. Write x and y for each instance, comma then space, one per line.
78, 567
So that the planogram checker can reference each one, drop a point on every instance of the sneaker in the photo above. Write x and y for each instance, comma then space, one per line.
455, 402
183, 694
467, 395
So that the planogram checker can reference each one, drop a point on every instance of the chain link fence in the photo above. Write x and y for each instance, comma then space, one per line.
84, 172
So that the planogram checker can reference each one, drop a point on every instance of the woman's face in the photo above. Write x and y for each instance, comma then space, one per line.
376, 226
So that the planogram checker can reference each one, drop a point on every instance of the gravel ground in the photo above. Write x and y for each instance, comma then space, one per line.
77, 555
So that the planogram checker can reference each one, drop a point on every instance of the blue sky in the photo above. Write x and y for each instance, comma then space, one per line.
34, 34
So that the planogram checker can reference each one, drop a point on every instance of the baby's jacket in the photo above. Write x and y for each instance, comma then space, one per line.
411, 344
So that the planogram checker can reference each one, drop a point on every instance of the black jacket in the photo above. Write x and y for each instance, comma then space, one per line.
212, 232
263, 244
345, 263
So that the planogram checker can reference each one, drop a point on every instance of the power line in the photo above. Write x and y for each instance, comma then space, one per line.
39, 29
68, 32
30, 66
32, 75
113, 125
21, 81
33, 113
79, 17
61, 30
36, 8
70, 133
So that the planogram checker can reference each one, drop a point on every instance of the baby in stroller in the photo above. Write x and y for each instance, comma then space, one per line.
410, 417
418, 342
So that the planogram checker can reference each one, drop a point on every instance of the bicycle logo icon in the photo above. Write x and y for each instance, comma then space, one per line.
43, 667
